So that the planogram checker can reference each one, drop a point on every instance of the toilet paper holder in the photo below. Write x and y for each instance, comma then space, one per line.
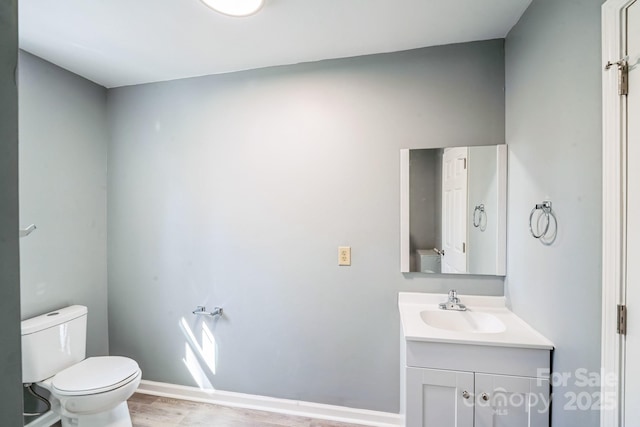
201, 310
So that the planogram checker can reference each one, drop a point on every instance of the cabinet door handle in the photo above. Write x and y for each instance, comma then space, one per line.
485, 396
465, 394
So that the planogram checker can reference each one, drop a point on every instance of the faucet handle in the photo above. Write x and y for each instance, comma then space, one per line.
453, 296
453, 302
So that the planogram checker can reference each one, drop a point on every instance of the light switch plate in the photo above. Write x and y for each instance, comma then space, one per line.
344, 255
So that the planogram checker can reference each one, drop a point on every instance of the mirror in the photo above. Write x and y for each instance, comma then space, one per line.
454, 210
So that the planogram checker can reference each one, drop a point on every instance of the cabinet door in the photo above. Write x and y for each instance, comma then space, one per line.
437, 398
504, 401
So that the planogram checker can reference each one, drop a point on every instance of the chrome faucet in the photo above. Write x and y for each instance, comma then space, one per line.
453, 302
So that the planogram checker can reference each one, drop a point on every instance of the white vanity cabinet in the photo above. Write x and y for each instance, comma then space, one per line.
478, 367
439, 398
511, 401
459, 385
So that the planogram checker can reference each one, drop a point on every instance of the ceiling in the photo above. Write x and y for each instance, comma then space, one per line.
126, 42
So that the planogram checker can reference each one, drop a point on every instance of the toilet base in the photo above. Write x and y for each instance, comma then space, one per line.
117, 417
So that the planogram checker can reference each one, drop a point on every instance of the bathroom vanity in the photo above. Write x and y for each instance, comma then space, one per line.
482, 367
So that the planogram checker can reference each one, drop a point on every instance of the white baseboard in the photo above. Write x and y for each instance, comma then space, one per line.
280, 406
46, 420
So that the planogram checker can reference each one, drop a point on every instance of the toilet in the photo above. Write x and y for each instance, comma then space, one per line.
85, 392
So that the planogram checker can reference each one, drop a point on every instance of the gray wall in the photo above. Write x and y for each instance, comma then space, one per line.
10, 358
553, 128
236, 190
63, 179
483, 189
425, 201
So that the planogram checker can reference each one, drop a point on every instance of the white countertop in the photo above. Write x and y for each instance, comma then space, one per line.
517, 332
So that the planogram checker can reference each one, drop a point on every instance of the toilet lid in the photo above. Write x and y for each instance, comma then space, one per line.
95, 375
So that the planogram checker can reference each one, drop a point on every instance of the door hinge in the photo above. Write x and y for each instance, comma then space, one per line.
464, 248
465, 163
622, 319
623, 75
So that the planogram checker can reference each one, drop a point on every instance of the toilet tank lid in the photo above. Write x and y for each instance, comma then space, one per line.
427, 252
51, 319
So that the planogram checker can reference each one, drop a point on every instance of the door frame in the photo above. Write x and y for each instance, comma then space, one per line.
614, 204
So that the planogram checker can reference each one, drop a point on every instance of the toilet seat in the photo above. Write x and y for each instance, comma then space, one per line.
95, 375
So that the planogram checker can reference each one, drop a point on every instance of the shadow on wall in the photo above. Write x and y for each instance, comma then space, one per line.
200, 356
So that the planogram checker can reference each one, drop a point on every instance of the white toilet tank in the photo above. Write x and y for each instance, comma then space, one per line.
52, 342
428, 261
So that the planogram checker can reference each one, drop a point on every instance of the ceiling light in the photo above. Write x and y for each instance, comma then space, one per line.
237, 8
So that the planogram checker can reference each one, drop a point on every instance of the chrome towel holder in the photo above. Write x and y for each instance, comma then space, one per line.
201, 310
546, 212
479, 213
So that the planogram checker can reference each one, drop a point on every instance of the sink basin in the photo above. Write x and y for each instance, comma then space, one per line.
463, 321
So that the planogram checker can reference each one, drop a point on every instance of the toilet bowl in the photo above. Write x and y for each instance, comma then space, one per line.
89, 392
93, 391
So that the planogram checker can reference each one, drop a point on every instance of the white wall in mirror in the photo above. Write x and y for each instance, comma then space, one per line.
453, 210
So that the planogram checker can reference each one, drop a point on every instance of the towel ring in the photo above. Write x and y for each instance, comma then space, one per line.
545, 208
477, 219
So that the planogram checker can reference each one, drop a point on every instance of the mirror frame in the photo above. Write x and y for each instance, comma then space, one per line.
501, 235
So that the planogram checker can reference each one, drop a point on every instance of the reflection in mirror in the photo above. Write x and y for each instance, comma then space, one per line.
453, 210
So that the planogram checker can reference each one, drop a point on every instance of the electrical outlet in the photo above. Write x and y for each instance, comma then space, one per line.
344, 255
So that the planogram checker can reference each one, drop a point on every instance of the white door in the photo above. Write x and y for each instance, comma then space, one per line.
454, 210
505, 401
437, 398
632, 366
